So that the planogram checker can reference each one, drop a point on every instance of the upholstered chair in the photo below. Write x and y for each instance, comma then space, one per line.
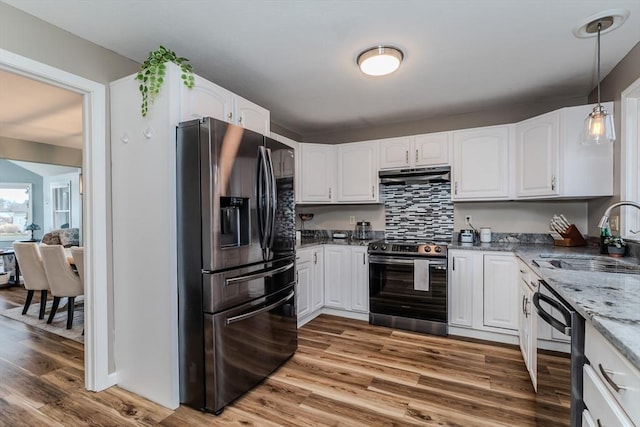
77, 252
35, 278
64, 282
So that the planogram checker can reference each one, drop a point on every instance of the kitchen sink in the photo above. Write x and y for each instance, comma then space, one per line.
589, 263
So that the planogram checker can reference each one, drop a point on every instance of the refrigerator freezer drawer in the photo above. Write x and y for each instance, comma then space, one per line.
245, 344
230, 288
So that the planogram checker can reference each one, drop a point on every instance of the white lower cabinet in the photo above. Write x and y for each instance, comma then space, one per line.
611, 384
528, 323
346, 285
483, 294
310, 288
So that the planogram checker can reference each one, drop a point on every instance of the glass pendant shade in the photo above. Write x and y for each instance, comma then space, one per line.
598, 127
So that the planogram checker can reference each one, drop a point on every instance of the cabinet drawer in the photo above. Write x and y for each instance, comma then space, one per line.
602, 407
620, 372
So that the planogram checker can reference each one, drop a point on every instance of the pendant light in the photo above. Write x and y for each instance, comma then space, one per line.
598, 126
380, 60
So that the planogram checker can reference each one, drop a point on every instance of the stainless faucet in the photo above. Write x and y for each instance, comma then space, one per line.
604, 221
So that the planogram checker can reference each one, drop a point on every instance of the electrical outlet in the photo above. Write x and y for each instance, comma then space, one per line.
614, 223
352, 220
467, 219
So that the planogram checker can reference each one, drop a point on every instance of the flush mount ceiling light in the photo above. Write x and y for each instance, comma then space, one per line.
380, 60
598, 126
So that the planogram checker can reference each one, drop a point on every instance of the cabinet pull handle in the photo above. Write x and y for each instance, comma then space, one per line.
553, 182
406, 156
606, 376
315, 257
329, 192
455, 187
240, 120
230, 116
364, 258
524, 310
453, 264
373, 193
599, 423
416, 156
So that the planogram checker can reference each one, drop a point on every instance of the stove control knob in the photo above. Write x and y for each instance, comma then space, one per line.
383, 247
427, 248
438, 249
374, 247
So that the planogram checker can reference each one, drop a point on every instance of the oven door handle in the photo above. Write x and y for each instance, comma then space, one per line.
388, 260
556, 324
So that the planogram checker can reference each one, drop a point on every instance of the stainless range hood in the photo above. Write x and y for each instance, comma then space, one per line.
415, 176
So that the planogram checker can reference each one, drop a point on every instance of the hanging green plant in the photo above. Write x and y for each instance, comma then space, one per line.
153, 70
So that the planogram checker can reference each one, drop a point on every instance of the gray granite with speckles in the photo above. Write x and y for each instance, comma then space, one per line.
609, 301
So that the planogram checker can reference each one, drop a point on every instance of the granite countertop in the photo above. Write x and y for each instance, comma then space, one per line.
305, 243
609, 301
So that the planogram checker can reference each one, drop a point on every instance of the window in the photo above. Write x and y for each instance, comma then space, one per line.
630, 163
61, 204
15, 211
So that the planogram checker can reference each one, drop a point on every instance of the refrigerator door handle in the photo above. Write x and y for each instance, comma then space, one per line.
258, 275
273, 200
241, 317
264, 199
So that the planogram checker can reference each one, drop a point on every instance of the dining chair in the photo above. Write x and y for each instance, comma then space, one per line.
64, 282
35, 278
77, 253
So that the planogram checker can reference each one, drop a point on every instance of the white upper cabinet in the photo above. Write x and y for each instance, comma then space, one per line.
394, 153
207, 99
537, 149
317, 163
357, 172
430, 149
551, 161
481, 159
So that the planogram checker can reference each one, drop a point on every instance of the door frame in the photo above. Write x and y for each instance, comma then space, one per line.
96, 345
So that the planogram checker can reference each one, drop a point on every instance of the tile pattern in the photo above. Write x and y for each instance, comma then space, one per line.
418, 211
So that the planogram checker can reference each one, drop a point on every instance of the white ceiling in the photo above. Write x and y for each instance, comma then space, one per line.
34, 111
297, 57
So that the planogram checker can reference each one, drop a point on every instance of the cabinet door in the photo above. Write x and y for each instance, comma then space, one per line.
317, 169
537, 151
303, 290
206, 99
460, 288
358, 172
431, 149
252, 116
317, 280
395, 153
359, 279
501, 291
481, 163
337, 275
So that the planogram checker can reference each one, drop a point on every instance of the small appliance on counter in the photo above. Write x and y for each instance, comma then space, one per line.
363, 231
466, 236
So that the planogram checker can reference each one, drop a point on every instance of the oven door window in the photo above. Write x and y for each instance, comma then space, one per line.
392, 290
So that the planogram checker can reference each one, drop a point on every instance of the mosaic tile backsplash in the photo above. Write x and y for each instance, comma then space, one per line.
418, 211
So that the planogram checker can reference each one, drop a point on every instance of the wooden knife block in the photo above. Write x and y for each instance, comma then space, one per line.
571, 237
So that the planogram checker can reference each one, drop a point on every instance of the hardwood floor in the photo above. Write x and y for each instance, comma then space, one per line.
345, 373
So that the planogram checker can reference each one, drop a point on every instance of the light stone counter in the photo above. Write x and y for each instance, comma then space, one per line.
609, 301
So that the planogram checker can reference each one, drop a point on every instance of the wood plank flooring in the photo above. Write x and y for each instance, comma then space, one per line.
345, 373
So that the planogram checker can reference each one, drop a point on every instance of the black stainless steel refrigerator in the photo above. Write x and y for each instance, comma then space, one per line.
236, 261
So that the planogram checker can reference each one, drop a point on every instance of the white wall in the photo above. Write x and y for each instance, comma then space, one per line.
336, 217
